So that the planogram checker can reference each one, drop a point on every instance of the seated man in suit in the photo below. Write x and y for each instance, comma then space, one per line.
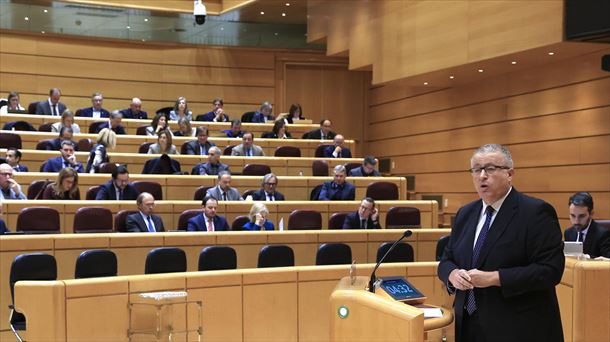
13, 157
65, 133
324, 133
114, 123
135, 110
223, 190
9, 188
268, 192
235, 131
338, 189
337, 150
145, 220
208, 221
217, 114
264, 114
595, 239
201, 146
366, 170
96, 111
213, 166
118, 188
247, 147
367, 216
51, 106
67, 159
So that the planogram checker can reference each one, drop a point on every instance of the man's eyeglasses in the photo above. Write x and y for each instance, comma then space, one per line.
271, 184
489, 169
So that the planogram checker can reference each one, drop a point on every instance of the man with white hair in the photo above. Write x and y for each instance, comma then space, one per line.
9, 188
338, 189
135, 110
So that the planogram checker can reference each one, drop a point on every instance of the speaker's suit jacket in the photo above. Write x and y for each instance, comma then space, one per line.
597, 240
352, 221
524, 244
135, 223
44, 108
197, 223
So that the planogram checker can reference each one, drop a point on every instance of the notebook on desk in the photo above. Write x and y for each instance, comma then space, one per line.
572, 248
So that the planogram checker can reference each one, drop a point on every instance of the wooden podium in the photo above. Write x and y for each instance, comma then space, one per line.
359, 315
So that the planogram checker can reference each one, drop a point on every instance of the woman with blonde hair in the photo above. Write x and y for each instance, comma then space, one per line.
184, 128
67, 120
258, 218
65, 187
163, 145
106, 139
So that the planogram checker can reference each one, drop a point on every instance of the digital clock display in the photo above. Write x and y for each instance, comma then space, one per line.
400, 289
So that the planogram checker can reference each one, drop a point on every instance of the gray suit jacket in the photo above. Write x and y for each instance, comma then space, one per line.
156, 149
232, 194
238, 150
44, 108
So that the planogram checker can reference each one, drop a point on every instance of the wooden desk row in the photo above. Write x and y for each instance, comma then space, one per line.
282, 304
178, 187
281, 166
131, 249
131, 143
131, 125
170, 210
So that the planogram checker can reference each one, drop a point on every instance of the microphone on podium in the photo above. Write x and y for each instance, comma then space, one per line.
406, 234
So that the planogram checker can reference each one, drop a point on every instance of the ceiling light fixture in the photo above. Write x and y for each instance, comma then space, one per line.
451, 77
283, 14
146, 19
287, 4
513, 62
26, 18
551, 53
46, 11
262, 13
480, 70
425, 83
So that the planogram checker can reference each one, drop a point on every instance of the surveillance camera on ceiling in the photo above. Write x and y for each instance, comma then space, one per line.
199, 12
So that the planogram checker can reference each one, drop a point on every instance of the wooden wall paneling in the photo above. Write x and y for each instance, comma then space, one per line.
337, 44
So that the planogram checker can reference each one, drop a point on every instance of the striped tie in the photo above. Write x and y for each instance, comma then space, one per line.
471, 304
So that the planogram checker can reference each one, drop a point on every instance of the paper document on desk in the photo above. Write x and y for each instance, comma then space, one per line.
430, 311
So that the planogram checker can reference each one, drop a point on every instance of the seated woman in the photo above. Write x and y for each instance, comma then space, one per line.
106, 139
12, 104
163, 145
258, 218
65, 187
67, 120
159, 123
181, 110
184, 128
294, 114
279, 131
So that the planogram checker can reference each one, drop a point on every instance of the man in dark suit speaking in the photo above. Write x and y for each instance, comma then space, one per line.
503, 259
144, 220
595, 239
208, 221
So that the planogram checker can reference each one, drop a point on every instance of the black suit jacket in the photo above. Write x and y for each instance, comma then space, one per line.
597, 240
524, 245
259, 195
316, 134
136, 224
352, 221
106, 192
192, 147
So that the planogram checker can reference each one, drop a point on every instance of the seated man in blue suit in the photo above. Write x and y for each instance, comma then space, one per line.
114, 123
366, 170
213, 166
144, 220
595, 239
337, 150
235, 131
13, 157
96, 111
367, 216
118, 188
208, 221
215, 115
135, 110
65, 133
201, 146
338, 189
268, 192
264, 114
67, 159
